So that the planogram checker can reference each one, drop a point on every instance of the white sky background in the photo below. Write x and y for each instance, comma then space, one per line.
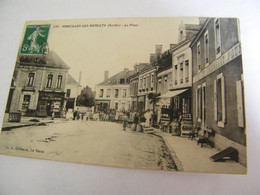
93, 50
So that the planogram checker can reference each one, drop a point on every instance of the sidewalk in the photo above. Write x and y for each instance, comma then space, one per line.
25, 121
190, 157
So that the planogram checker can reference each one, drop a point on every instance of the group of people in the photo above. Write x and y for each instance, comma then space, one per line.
118, 116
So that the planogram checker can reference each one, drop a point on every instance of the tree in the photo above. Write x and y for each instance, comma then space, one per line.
86, 97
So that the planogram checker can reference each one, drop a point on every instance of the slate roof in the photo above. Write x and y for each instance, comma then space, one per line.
72, 81
54, 61
114, 79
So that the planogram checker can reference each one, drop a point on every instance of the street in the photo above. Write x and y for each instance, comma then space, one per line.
88, 142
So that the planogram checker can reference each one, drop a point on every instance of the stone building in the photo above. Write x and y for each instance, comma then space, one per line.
218, 98
39, 85
73, 89
114, 92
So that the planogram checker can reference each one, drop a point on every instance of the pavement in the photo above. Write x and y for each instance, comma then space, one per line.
187, 155
190, 157
25, 121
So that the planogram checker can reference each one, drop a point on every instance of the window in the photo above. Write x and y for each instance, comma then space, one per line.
122, 80
206, 44
49, 81
30, 79
59, 81
116, 93
101, 93
144, 81
198, 103
26, 102
152, 81
147, 82
219, 100
175, 74
123, 106
68, 92
140, 84
116, 106
217, 38
124, 93
198, 57
165, 78
187, 71
108, 93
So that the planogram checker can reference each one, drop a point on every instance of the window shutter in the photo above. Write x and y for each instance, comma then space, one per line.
31, 102
223, 99
196, 103
215, 101
240, 108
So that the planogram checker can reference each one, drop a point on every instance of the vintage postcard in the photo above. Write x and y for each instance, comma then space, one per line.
143, 93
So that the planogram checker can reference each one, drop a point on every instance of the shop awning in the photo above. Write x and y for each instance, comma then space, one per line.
164, 102
170, 94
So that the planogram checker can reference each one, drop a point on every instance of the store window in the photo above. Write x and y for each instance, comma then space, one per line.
187, 71
26, 102
199, 103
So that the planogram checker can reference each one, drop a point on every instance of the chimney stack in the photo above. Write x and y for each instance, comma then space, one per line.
158, 49
106, 75
80, 74
152, 58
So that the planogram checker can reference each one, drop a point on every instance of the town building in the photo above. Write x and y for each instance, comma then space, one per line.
133, 79
73, 89
39, 85
218, 98
114, 92
147, 83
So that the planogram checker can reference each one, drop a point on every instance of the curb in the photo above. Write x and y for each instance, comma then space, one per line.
172, 152
24, 125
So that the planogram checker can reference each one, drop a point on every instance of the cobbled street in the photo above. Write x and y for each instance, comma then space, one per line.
88, 142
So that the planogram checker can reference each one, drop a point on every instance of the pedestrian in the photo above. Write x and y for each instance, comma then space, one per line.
87, 115
136, 120
82, 115
125, 120
75, 114
147, 116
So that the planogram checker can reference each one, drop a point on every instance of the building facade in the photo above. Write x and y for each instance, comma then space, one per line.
39, 87
73, 89
218, 98
114, 92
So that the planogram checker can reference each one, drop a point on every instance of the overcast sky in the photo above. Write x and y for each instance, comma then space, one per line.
109, 44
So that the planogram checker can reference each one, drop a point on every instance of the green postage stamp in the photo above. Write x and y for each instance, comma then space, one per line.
35, 39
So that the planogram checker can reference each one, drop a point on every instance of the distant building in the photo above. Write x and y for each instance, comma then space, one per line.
39, 85
133, 79
73, 89
218, 98
114, 92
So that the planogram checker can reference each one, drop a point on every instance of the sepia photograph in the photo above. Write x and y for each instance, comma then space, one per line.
163, 93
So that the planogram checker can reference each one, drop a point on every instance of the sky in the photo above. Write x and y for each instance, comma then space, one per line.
95, 45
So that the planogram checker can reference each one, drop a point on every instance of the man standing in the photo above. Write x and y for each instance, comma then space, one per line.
125, 120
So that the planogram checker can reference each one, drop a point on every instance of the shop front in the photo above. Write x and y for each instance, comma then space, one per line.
50, 102
179, 110
102, 105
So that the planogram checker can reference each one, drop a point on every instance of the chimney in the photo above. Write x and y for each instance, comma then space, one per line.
80, 74
152, 58
158, 49
106, 75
